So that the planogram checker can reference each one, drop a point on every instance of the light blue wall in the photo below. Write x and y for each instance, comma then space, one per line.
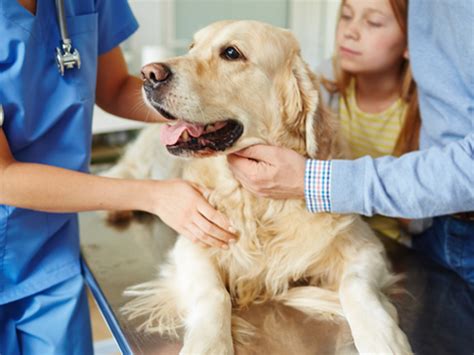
194, 15
170, 24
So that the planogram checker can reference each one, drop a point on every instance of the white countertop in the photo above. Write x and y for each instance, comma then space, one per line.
104, 122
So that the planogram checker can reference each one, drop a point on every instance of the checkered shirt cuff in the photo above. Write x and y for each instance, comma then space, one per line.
317, 185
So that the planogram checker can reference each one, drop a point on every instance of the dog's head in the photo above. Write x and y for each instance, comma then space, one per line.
241, 83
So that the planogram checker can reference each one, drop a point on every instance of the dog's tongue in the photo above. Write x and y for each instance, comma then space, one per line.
170, 134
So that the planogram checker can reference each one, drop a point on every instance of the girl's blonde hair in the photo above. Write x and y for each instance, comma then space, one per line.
408, 138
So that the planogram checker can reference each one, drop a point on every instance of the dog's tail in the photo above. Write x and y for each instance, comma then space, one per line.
314, 301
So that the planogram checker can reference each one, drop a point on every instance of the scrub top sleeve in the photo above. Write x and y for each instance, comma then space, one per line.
116, 23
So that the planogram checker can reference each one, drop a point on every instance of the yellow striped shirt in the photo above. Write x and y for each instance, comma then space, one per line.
373, 134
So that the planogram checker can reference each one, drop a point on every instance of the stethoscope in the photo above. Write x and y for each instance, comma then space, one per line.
66, 57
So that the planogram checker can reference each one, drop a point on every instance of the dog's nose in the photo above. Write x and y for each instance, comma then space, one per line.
156, 73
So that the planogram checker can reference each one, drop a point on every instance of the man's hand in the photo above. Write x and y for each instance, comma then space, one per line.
269, 171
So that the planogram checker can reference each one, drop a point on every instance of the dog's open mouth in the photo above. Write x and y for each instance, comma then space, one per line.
184, 137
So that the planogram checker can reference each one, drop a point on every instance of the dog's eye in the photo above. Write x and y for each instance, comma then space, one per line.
231, 53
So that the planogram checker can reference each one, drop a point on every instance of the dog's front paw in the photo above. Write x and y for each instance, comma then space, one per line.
383, 340
220, 345
400, 343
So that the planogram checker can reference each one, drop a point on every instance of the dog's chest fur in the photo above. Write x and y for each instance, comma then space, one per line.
267, 258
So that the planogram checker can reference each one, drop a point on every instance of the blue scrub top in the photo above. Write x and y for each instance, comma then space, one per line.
48, 120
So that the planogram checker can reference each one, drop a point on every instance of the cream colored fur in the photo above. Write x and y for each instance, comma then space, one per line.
322, 264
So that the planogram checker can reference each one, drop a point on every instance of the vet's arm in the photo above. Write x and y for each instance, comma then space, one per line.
51, 189
47, 188
118, 92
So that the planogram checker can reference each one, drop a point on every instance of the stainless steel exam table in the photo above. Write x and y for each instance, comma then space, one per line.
437, 312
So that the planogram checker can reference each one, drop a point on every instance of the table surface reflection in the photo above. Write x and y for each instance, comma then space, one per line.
436, 312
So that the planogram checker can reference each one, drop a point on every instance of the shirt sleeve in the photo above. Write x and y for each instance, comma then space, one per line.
116, 23
432, 182
318, 185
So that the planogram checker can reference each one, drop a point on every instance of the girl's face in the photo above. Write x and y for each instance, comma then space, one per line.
368, 38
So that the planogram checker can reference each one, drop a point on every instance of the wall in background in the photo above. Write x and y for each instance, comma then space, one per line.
314, 24
167, 26
192, 15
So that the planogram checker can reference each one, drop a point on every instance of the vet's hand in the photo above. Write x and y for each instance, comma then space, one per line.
269, 171
183, 207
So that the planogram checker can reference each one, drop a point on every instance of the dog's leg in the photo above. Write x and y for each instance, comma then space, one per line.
372, 318
189, 294
204, 300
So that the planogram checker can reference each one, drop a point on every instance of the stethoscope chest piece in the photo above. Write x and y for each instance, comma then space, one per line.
66, 56
65, 59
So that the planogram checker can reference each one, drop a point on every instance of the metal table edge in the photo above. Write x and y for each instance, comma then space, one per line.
105, 309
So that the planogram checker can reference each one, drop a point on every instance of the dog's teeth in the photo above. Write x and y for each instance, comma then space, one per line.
209, 127
185, 136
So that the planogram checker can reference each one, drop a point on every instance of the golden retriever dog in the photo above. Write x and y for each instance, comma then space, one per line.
243, 83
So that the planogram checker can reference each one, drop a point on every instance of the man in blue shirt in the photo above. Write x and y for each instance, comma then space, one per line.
436, 181
45, 138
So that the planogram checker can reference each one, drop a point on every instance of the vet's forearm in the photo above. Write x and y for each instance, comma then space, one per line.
118, 92
47, 188
128, 103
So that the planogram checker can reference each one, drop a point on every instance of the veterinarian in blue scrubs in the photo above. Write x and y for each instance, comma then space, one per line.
47, 120
45, 139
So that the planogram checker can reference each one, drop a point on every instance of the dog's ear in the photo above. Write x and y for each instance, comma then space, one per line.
303, 113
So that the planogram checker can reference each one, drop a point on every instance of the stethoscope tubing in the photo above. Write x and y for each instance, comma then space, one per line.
62, 21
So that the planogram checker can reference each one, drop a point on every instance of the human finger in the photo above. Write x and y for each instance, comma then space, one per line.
258, 152
192, 235
223, 228
241, 164
199, 230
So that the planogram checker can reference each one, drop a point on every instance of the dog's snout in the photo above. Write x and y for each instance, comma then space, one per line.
156, 73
